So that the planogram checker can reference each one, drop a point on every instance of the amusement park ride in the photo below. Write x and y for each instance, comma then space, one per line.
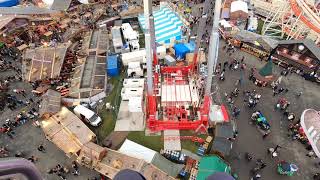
174, 93
292, 19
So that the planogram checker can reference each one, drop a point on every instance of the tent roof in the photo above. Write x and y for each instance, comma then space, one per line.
310, 122
250, 37
181, 49
315, 50
211, 164
67, 131
46, 62
267, 69
136, 150
4, 20
51, 102
167, 166
89, 77
239, 6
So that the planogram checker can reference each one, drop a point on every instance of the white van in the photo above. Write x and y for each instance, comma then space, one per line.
86, 114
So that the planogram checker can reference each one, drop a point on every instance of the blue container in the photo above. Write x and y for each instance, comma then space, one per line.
112, 65
181, 50
8, 3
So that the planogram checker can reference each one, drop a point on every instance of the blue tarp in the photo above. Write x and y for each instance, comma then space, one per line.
191, 46
8, 3
112, 65
181, 50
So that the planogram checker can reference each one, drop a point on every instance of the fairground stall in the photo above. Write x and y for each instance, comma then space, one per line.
252, 43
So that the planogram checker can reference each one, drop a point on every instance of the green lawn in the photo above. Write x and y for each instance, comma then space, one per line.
156, 142
152, 142
260, 26
109, 117
188, 144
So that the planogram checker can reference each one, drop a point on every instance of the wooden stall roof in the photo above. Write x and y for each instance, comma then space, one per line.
4, 20
89, 77
115, 161
92, 151
95, 41
67, 131
51, 102
265, 42
43, 62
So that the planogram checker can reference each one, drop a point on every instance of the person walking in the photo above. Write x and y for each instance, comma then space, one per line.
75, 168
256, 177
265, 135
41, 148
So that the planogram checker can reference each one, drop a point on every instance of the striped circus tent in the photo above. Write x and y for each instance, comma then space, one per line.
167, 25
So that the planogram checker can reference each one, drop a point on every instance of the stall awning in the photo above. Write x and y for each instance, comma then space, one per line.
310, 123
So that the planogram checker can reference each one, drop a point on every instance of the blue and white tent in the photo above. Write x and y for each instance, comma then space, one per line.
167, 25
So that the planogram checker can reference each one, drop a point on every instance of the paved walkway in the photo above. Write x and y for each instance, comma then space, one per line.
250, 139
171, 140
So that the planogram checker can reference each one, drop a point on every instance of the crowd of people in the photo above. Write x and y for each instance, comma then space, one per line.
61, 171
252, 98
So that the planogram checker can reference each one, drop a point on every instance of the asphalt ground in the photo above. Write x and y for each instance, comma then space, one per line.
250, 139
28, 137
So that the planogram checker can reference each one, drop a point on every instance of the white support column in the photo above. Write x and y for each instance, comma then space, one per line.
148, 43
213, 47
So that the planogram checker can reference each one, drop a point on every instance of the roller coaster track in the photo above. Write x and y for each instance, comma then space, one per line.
306, 14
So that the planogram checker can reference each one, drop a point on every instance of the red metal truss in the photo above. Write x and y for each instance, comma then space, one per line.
155, 124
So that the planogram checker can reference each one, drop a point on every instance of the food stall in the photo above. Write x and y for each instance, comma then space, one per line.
252, 43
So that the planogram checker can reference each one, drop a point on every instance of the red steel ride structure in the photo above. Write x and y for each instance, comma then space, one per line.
176, 82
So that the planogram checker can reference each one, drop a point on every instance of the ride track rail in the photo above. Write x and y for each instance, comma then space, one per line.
305, 10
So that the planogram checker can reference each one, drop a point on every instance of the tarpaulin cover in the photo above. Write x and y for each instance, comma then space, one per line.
181, 50
112, 65
211, 164
190, 46
8, 3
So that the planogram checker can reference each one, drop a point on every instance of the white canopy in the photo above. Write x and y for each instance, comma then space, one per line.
133, 149
239, 6
310, 123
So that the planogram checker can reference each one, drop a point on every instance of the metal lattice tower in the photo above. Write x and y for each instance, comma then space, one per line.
292, 19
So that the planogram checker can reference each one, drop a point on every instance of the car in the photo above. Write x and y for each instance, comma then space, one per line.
87, 115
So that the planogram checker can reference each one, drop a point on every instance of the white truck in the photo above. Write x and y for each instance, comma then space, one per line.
127, 93
134, 70
140, 56
87, 115
133, 83
130, 36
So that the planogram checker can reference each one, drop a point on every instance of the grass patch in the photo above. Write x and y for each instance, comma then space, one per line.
188, 144
109, 117
260, 26
152, 142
